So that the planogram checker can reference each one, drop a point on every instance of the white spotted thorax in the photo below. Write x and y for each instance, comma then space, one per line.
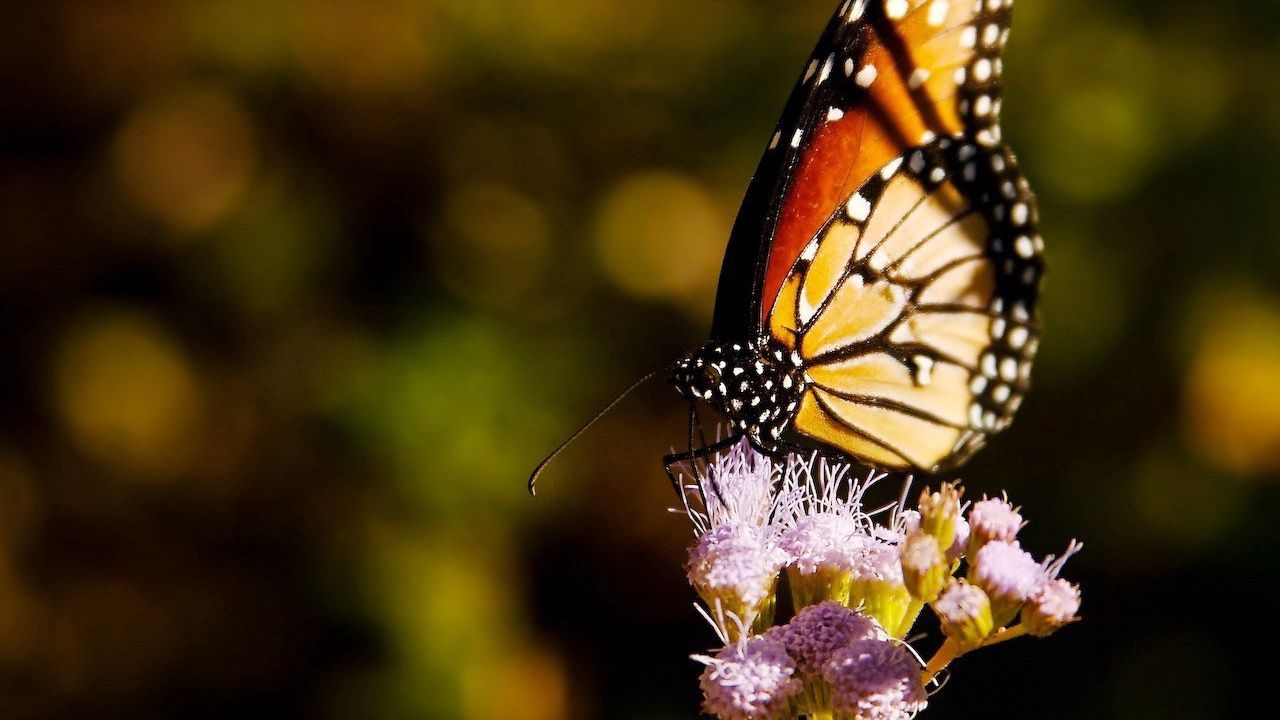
756, 388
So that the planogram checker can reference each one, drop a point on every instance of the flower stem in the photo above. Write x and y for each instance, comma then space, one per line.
909, 619
1008, 633
949, 651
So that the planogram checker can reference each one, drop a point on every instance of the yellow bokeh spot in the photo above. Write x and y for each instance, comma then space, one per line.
187, 157
661, 235
128, 395
1231, 410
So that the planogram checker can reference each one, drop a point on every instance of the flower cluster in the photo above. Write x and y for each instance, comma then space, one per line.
852, 585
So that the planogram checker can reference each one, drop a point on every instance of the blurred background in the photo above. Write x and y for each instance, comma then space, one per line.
293, 294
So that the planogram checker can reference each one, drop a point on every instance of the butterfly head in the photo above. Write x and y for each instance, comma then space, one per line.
756, 388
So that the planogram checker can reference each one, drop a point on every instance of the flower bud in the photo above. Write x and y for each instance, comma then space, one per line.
924, 566
938, 513
964, 612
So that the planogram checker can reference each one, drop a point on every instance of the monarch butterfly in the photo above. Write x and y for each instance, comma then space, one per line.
878, 292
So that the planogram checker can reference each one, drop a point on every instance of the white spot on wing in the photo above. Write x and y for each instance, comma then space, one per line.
981, 69
924, 369
858, 208
866, 75
826, 69
938, 12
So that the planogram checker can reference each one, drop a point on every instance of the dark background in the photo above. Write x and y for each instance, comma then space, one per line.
294, 293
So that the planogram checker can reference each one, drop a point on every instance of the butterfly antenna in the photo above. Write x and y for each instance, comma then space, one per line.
533, 477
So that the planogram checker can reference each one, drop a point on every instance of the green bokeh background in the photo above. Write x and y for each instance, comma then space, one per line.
295, 292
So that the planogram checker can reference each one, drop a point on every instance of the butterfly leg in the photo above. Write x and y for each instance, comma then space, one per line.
694, 456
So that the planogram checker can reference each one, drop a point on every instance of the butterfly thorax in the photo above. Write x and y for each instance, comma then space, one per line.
755, 387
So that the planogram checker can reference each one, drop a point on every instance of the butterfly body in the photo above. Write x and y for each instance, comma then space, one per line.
878, 293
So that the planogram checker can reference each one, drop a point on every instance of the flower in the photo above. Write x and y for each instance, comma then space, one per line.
874, 680
814, 636
964, 612
737, 488
1053, 603
938, 512
819, 549
752, 679
736, 567
992, 519
877, 586
818, 631
1051, 606
925, 568
1008, 574
822, 541
858, 581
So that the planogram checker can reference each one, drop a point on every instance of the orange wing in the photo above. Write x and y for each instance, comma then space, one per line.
909, 70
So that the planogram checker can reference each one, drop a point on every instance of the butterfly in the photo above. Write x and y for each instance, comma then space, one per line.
878, 291
877, 297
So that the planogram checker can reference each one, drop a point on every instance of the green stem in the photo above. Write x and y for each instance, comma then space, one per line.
909, 619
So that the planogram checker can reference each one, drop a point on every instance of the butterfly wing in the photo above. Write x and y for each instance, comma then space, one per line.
889, 239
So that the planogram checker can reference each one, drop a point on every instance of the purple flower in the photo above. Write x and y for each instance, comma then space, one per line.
1008, 574
874, 680
1054, 602
738, 487
750, 680
992, 519
737, 566
822, 541
1052, 605
877, 560
818, 631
